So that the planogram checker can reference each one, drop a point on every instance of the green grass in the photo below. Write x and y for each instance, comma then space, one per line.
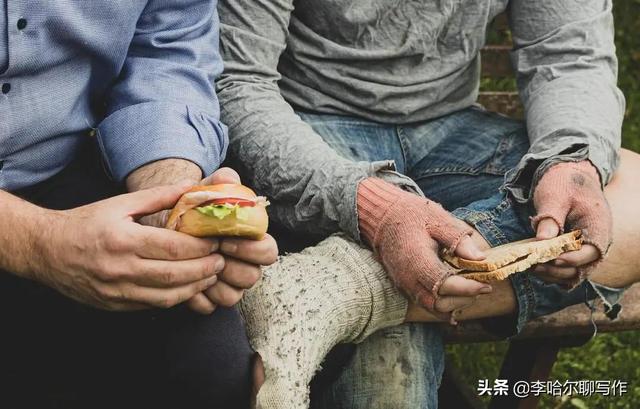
627, 17
608, 356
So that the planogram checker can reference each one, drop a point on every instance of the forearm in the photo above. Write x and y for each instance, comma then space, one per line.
565, 61
21, 227
164, 172
310, 186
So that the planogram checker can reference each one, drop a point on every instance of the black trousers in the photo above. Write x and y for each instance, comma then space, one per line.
56, 353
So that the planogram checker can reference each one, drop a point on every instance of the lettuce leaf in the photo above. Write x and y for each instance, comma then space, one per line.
224, 210
242, 213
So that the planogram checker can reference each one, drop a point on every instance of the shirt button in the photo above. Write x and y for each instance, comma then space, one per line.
22, 24
6, 87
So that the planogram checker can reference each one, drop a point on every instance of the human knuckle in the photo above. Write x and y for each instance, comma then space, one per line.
253, 275
115, 240
213, 266
229, 298
443, 305
167, 277
110, 293
205, 269
109, 271
272, 255
167, 301
172, 249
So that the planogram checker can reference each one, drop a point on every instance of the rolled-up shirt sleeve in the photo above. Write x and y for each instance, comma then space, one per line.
164, 103
564, 58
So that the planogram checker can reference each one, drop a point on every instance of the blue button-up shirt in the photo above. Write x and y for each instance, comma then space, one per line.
137, 75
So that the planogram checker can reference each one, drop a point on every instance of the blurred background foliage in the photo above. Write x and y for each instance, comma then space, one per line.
607, 356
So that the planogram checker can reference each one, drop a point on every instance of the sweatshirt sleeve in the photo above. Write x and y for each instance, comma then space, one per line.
566, 67
310, 186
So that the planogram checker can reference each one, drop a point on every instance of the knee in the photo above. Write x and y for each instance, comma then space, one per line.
209, 360
623, 194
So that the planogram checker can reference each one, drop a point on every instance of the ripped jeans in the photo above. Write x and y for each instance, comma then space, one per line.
460, 161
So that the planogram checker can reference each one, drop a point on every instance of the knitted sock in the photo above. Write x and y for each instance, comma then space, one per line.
307, 303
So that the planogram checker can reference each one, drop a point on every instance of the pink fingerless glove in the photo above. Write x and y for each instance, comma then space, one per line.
569, 193
406, 232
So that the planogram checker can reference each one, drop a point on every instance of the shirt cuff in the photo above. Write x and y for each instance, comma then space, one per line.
522, 180
385, 170
140, 134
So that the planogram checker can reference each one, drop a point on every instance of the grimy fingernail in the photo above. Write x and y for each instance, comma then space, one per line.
486, 289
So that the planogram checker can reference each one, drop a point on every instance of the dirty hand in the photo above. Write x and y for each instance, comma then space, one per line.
407, 232
99, 255
569, 196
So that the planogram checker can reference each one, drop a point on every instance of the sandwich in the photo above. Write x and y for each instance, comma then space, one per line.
229, 210
502, 261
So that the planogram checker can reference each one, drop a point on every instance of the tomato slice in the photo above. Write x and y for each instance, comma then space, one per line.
233, 201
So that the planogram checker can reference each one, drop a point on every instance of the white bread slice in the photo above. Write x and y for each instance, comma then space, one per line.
510, 253
541, 255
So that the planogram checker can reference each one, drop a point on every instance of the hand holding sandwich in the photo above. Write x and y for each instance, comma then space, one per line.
221, 207
407, 232
570, 195
243, 257
99, 255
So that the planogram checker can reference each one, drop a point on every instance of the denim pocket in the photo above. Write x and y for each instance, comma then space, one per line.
480, 142
357, 139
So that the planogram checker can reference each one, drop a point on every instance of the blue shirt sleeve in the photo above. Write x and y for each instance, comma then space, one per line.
164, 103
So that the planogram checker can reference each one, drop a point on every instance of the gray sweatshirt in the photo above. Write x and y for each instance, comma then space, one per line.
400, 61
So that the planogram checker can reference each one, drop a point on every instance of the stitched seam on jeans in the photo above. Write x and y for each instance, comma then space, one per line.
484, 224
449, 170
503, 146
471, 216
530, 300
403, 146
495, 231
347, 124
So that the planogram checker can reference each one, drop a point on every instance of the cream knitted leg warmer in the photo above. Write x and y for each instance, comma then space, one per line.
307, 303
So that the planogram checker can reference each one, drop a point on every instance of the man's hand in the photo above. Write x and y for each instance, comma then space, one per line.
98, 255
243, 259
407, 232
161, 173
569, 194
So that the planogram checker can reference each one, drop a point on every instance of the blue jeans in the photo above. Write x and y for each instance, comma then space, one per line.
460, 161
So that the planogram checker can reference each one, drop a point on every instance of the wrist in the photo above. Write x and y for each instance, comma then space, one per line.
375, 197
164, 172
42, 236
21, 231
584, 167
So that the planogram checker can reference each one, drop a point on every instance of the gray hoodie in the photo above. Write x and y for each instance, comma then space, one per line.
401, 61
